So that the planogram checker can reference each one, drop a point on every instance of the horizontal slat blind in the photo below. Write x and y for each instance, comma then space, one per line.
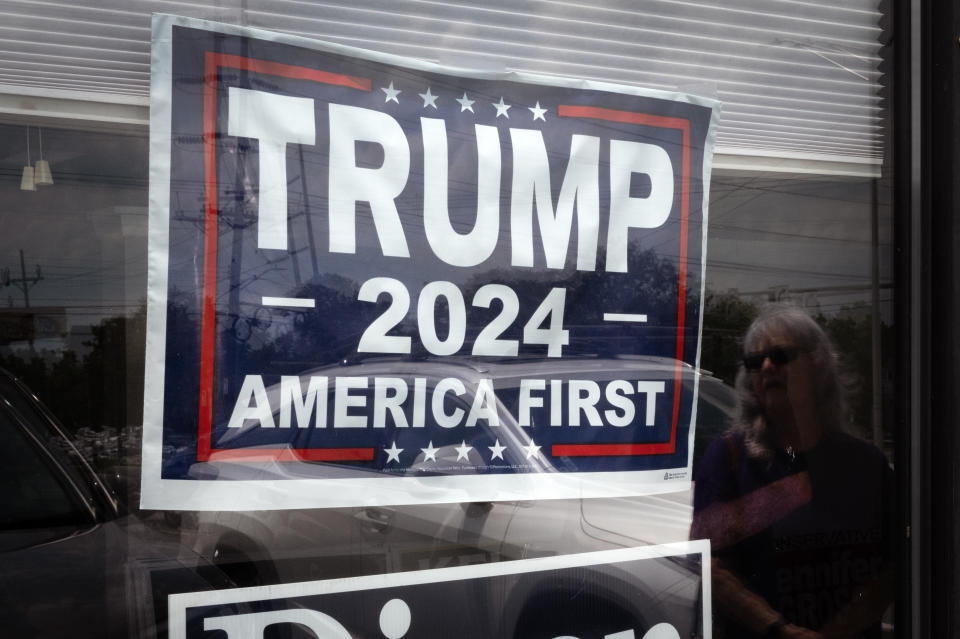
796, 78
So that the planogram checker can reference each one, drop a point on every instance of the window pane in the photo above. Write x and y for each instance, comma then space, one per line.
799, 214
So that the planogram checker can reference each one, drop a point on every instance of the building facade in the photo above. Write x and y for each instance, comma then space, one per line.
136, 269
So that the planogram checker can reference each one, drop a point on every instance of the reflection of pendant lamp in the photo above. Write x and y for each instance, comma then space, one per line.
26, 181
42, 174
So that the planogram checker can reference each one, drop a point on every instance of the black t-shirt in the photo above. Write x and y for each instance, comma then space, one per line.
803, 533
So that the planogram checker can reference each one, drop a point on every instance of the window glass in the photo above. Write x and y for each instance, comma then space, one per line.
773, 237
799, 218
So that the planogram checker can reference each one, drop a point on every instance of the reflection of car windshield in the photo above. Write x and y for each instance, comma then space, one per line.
34, 495
33, 416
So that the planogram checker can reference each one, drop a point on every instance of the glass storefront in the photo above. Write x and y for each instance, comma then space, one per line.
790, 369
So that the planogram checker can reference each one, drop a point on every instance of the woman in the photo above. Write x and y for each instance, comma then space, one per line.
797, 510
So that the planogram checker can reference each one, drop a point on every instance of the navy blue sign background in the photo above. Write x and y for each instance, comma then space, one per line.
220, 331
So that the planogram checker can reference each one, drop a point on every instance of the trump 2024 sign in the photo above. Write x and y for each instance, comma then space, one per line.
375, 280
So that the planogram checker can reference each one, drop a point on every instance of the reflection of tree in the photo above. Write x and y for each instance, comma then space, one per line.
651, 288
117, 353
101, 390
851, 330
31, 368
726, 317
326, 333
182, 372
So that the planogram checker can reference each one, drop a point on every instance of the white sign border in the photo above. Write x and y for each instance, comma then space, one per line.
177, 604
178, 494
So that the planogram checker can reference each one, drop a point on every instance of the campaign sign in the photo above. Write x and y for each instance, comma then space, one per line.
375, 280
652, 592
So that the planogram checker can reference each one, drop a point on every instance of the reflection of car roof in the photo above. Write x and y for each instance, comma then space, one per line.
505, 376
474, 370
632, 365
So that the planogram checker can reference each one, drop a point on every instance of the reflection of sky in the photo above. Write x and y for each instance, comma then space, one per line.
86, 232
809, 235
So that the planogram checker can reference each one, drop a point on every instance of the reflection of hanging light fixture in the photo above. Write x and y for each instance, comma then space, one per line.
26, 181
42, 174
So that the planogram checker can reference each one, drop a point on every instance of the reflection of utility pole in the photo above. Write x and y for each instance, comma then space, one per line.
306, 211
23, 282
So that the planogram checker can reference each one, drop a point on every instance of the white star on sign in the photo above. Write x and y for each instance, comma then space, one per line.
393, 453
428, 99
501, 108
466, 104
463, 451
497, 450
391, 93
538, 112
531, 449
430, 453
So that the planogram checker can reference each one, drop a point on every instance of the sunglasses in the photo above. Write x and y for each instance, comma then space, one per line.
779, 355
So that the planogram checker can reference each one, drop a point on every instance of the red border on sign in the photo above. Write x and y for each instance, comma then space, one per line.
682, 124
213, 62
205, 452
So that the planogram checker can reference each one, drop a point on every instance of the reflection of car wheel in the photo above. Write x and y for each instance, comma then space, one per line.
561, 612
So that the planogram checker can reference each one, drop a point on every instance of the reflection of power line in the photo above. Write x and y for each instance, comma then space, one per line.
819, 290
780, 186
767, 269
72, 306
307, 214
802, 236
23, 282
249, 280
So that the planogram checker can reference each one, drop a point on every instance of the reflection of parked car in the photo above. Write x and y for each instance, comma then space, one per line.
463, 384
71, 563
291, 545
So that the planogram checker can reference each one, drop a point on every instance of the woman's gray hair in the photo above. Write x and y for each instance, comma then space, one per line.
830, 395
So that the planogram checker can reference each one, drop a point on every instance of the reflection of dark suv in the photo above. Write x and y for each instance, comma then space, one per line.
72, 564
